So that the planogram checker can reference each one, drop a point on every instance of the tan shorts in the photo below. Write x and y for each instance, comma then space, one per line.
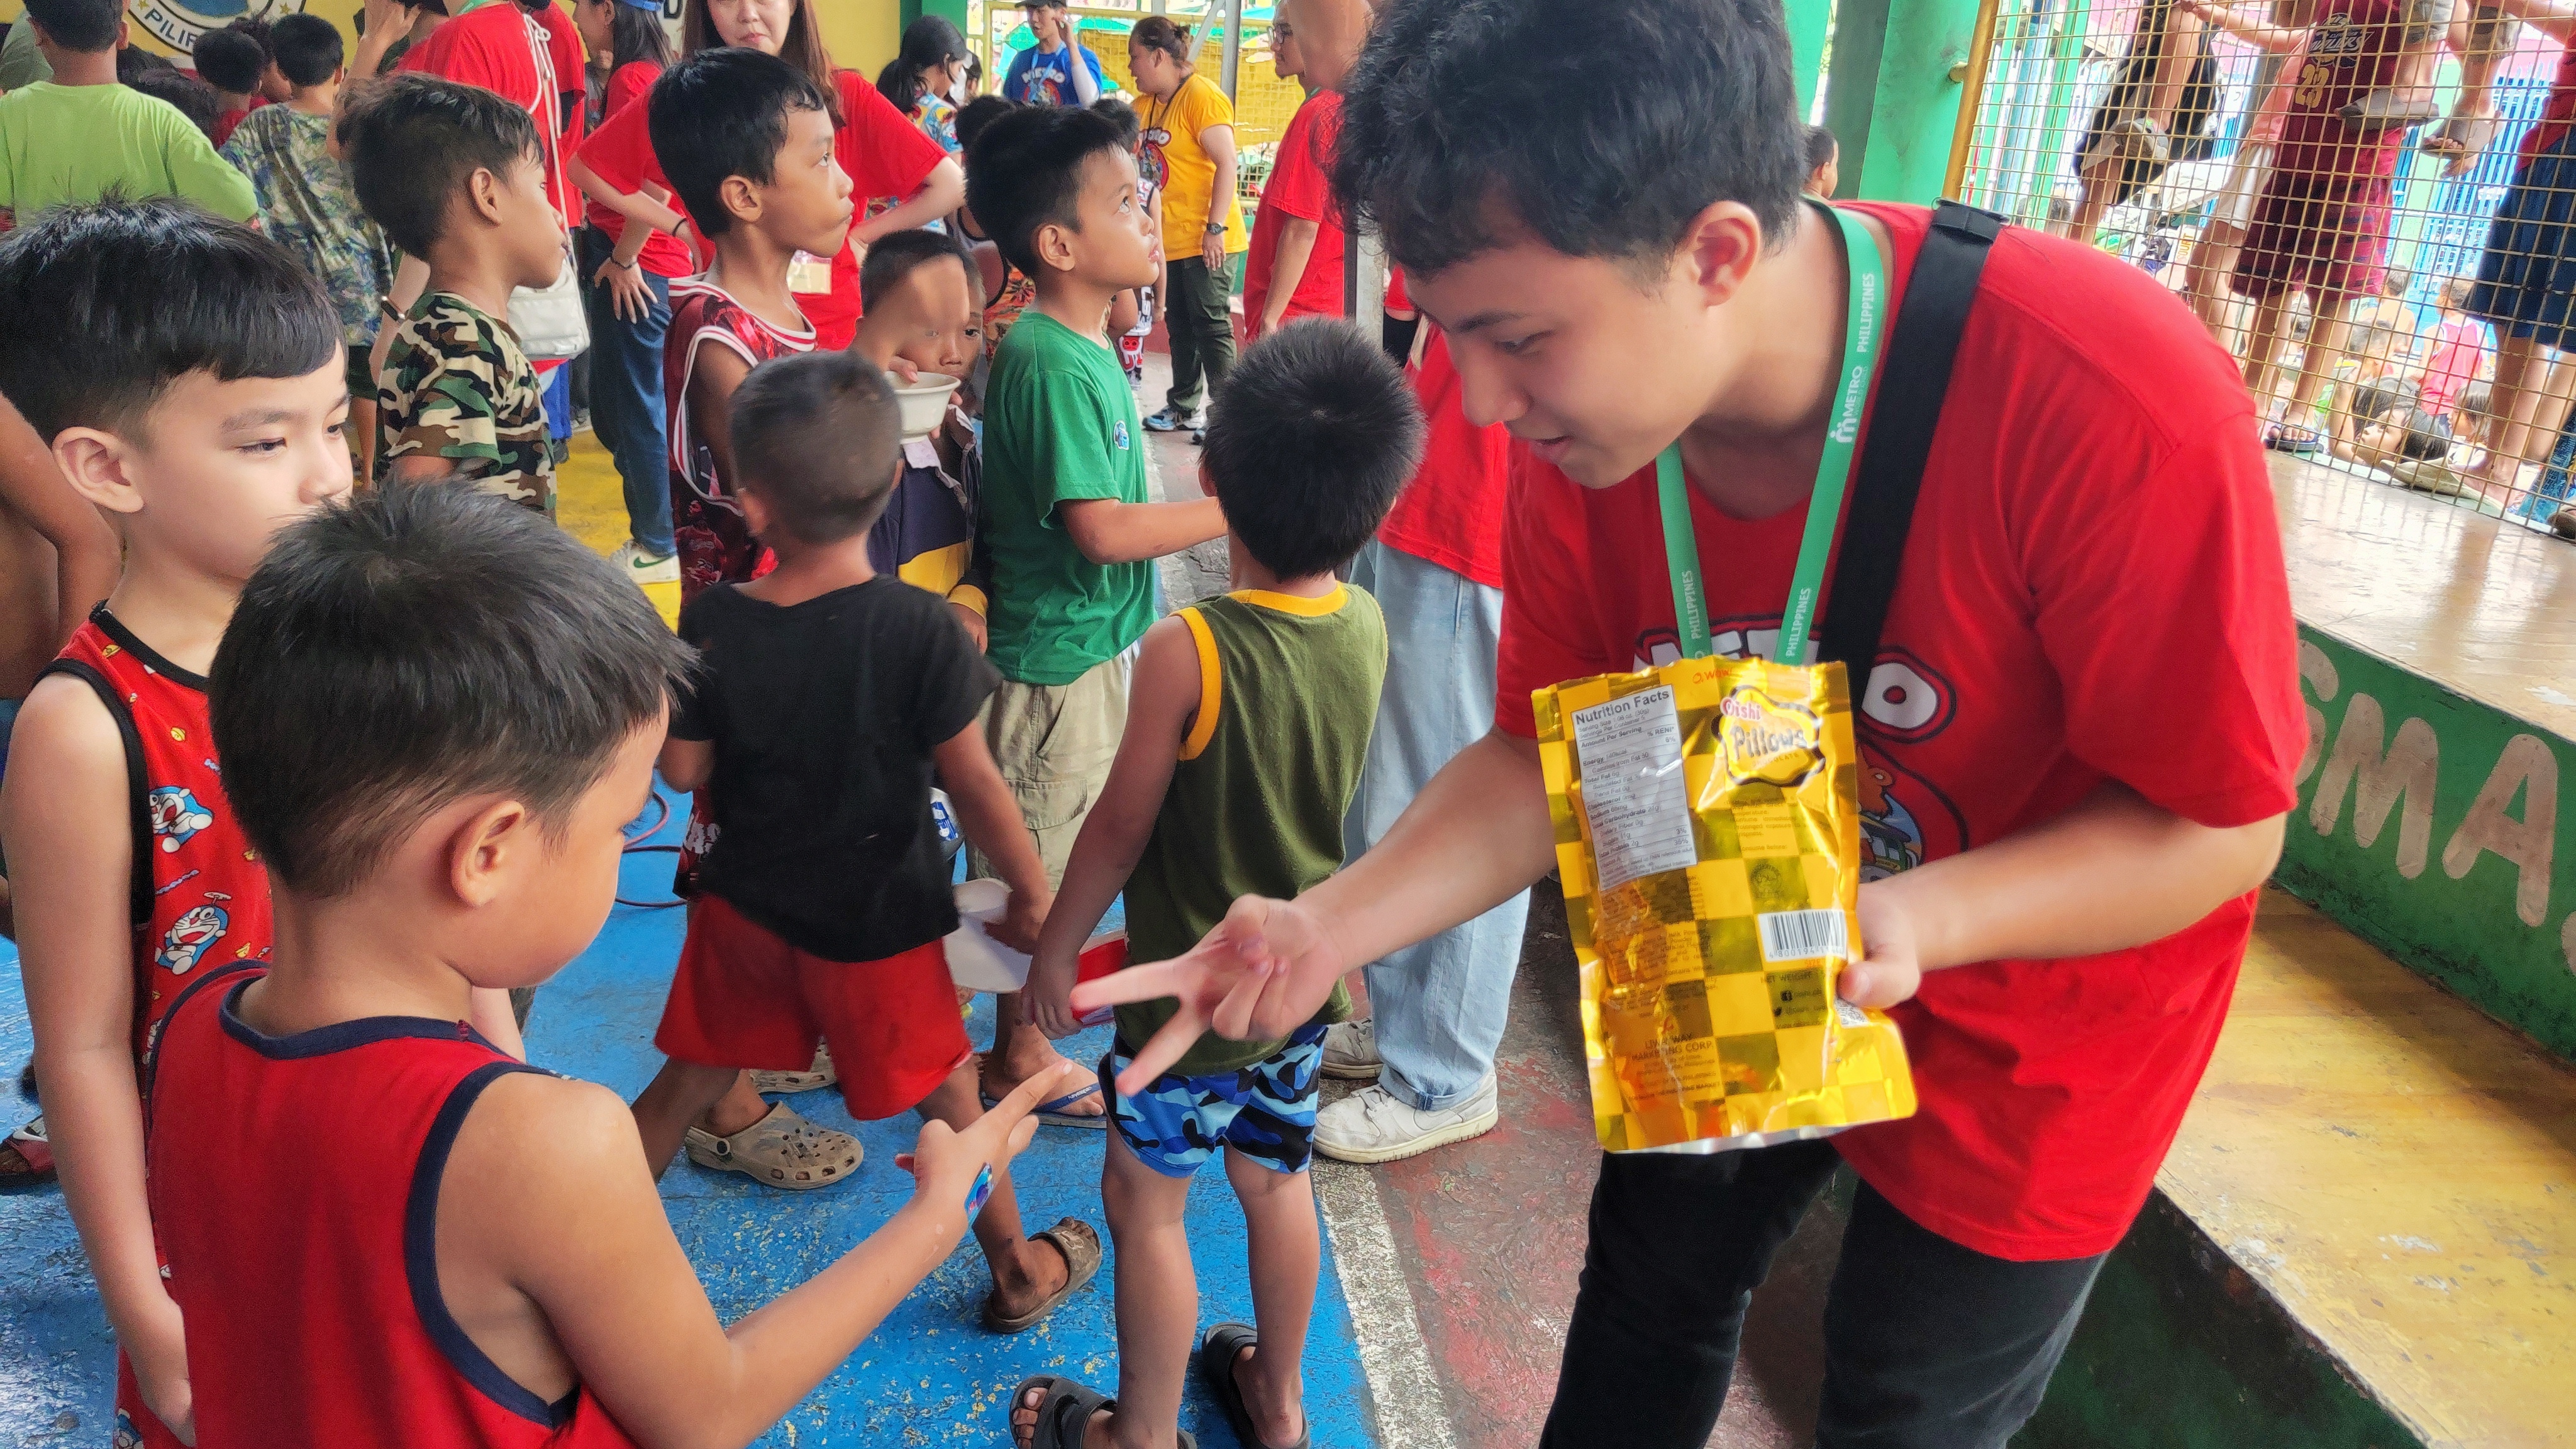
1054, 744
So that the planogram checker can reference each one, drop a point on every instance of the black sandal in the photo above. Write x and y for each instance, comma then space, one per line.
1223, 1345
1061, 1415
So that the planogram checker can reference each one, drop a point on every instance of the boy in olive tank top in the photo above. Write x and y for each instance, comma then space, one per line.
1246, 728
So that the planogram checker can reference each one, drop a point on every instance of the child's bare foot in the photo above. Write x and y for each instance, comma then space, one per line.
1054, 1413
1032, 1055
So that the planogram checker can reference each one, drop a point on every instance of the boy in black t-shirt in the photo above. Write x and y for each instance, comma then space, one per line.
829, 693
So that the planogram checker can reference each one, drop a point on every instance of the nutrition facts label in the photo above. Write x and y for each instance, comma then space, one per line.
1630, 754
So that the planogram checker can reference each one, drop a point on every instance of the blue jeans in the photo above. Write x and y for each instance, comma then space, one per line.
1440, 1004
626, 397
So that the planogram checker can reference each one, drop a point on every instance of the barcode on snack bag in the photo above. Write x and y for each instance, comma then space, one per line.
1802, 935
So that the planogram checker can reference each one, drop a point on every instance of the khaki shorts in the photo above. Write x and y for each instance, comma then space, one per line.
1054, 744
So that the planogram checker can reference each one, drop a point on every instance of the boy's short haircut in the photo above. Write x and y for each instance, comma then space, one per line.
415, 140
978, 113
133, 63
2427, 437
1129, 127
231, 60
106, 305
1025, 172
2455, 293
414, 646
195, 99
1311, 438
893, 258
308, 49
724, 113
2397, 283
817, 437
1821, 146
1541, 114
87, 26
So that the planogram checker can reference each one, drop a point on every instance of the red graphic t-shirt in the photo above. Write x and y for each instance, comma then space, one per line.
494, 46
200, 895
2093, 592
2352, 50
1452, 512
1300, 186
883, 152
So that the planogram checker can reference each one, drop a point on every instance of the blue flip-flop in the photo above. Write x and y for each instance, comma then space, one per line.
1052, 1113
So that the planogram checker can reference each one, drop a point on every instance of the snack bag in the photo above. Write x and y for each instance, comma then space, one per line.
1708, 833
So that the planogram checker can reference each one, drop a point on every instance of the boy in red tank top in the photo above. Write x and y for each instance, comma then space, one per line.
187, 377
441, 808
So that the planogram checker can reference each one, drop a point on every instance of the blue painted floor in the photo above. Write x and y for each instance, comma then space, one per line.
931, 1375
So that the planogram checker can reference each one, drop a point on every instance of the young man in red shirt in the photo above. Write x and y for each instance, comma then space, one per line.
1294, 268
2078, 733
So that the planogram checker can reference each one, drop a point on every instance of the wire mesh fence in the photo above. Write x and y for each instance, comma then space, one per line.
2371, 203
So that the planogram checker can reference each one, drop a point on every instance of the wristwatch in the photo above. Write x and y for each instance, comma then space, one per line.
1215, 228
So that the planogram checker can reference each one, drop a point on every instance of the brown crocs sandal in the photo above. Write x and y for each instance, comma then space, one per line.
787, 1084
1081, 1249
781, 1149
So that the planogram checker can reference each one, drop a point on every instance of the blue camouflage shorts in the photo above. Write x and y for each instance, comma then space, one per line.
1265, 1111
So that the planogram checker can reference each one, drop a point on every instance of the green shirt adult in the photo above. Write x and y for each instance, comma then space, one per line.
1060, 426
21, 63
63, 145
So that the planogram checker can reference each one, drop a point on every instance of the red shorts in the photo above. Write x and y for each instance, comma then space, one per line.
2315, 233
744, 998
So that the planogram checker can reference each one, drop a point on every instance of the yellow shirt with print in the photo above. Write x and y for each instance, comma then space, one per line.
1187, 173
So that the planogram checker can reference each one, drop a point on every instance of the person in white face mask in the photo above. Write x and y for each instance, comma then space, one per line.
927, 78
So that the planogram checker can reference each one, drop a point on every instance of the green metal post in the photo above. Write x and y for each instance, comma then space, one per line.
1810, 22
954, 10
1891, 95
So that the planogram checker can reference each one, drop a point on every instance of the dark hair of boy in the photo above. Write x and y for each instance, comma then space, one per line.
1821, 146
2368, 403
893, 258
231, 60
817, 438
308, 49
1129, 127
195, 99
414, 646
2427, 437
1025, 172
1311, 438
2475, 401
133, 63
415, 140
635, 33
106, 305
930, 41
87, 26
1438, 114
978, 113
723, 113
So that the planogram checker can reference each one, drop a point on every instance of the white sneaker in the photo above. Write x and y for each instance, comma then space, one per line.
632, 561
1350, 1051
1370, 1125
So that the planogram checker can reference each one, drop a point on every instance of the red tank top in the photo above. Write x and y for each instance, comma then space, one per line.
2353, 49
200, 894
310, 1281
2557, 115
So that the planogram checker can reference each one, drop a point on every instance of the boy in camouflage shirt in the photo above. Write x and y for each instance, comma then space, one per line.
455, 176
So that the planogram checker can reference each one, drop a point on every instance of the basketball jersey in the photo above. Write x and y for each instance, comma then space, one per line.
2353, 50
715, 545
309, 1278
200, 895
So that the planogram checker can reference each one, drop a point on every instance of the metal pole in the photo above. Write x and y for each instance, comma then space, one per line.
1233, 44
1981, 50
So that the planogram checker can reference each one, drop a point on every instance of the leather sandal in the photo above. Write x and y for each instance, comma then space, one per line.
781, 1150
1080, 1246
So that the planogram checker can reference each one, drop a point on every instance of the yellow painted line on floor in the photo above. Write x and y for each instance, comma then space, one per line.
2399, 1172
590, 503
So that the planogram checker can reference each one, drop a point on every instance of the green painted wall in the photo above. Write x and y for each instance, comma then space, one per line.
1810, 22
1889, 97
2431, 826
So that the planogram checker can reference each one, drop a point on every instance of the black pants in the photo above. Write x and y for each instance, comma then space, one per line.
1201, 328
1928, 1345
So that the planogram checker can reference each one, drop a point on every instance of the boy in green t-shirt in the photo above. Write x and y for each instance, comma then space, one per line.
1243, 745
79, 136
1068, 525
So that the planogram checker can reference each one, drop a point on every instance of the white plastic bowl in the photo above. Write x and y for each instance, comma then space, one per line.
975, 960
924, 403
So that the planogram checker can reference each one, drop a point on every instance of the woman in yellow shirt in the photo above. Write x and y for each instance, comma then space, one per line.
1189, 156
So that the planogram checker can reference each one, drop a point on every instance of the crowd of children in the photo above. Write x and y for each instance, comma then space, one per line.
339, 771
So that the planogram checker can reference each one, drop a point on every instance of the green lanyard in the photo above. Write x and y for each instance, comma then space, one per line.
1861, 334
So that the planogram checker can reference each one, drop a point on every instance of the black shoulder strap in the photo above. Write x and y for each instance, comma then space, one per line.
1913, 381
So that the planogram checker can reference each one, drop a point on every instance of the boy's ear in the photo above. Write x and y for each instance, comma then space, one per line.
483, 190
96, 462
486, 847
1207, 481
1053, 243
755, 511
740, 197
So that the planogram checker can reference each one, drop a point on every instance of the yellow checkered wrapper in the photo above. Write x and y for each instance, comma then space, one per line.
1708, 831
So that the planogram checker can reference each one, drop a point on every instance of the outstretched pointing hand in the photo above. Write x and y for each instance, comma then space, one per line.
1262, 973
